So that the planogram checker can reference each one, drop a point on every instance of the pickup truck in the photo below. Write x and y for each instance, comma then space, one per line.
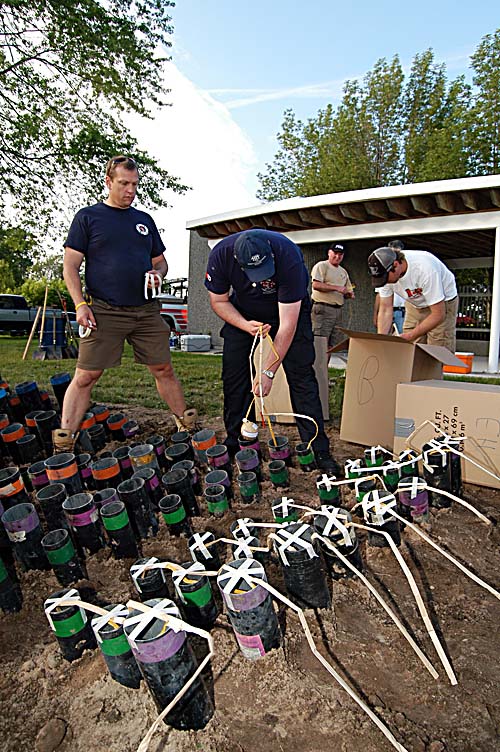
16, 316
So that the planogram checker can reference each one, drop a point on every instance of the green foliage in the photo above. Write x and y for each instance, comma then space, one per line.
16, 256
34, 292
389, 130
67, 72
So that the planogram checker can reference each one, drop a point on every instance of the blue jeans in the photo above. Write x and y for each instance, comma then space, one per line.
398, 318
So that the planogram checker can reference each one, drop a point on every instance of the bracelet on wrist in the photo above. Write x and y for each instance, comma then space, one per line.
80, 305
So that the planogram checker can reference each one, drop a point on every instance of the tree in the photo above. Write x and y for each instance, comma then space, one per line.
16, 256
485, 120
68, 71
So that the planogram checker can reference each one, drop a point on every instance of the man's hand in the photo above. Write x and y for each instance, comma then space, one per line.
254, 327
85, 317
155, 278
262, 385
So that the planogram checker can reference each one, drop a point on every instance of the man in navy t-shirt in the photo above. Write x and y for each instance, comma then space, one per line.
257, 280
120, 245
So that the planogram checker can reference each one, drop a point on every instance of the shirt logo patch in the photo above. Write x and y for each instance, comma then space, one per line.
268, 286
142, 229
209, 278
416, 293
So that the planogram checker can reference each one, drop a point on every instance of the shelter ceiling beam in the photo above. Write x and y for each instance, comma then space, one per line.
423, 204
400, 206
354, 211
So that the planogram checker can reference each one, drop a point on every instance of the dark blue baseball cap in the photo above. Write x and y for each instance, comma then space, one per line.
253, 252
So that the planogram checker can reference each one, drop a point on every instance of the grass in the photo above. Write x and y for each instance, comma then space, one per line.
132, 384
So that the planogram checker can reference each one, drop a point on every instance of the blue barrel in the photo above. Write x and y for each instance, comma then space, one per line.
48, 331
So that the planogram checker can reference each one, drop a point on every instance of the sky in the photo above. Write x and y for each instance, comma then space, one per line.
237, 65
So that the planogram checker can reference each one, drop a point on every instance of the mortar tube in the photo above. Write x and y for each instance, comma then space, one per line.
130, 429
382, 522
243, 549
302, 568
25, 534
83, 463
177, 481
177, 453
455, 464
183, 437
29, 449
6, 553
115, 649
143, 455
121, 454
97, 436
390, 473
282, 512
249, 608
12, 488
50, 499
30, 421
11, 597
10, 434
248, 486
327, 491
218, 459
62, 557
102, 414
247, 461
107, 454
220, 478
151, 583
243, 527
88, 421
413, 507
62, 468
336, 567
29, 395
59, 383
46, 401
278, 473
16, 408
175, 517
106, 473
4, 422
4, 404
305, 456
84, 522
116, 522
166, 662
134, 495
71, 628
38, 475
216, 499
152, 485
280, 450
115, 424
364, 487
406, 456
201, 441
158, 443
374, 457
198, 606
47, 422
247, 442
203, 549
441, 478
193, 475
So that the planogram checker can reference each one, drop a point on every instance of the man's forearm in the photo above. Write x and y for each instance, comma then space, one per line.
384, 320
73, 282
160, 265
228, 313
425, 326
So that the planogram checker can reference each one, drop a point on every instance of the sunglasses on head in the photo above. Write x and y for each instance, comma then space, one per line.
121, 160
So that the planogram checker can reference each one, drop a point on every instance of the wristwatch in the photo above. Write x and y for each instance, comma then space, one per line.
269, 374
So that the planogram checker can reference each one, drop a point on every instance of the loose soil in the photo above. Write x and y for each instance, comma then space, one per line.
286, 701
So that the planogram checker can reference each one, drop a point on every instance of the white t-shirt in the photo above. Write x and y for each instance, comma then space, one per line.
427, 281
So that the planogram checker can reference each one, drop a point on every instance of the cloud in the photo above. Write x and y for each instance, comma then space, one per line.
249, 97
197, 140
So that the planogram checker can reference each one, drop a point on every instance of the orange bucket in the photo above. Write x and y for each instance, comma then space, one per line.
467, 359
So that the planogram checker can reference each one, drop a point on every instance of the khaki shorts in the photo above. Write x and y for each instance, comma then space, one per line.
141, 326
444, 334
325, 321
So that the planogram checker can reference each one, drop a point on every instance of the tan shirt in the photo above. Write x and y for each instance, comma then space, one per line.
323, 271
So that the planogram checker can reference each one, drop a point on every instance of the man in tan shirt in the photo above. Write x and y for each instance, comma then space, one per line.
330, 287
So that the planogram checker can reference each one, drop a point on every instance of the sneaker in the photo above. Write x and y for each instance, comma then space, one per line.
188, 421
325, 461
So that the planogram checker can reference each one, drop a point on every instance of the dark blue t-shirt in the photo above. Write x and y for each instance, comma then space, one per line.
118, 245
259, 300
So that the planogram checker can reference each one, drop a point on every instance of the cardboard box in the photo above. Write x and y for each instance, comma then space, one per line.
459, 408
278, 401
376, 364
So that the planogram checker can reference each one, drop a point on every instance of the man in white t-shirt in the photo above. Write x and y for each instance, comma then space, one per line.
428, 288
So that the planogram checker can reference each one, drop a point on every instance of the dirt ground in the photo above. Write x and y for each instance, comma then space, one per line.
286, 701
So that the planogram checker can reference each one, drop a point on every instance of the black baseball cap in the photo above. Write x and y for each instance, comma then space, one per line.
337, 248
253, 252
379, 265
